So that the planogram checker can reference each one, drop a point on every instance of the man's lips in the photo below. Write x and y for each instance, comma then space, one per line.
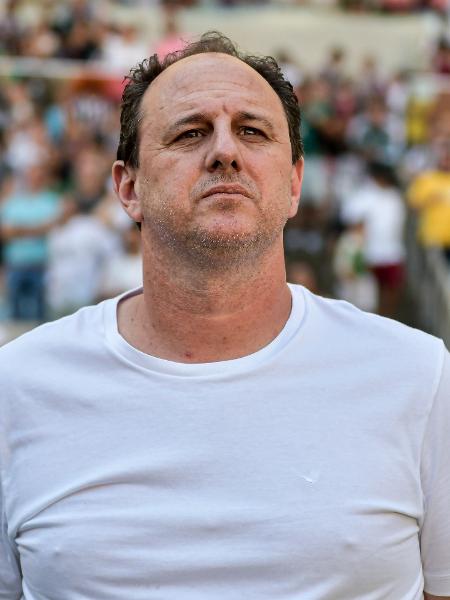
231, 189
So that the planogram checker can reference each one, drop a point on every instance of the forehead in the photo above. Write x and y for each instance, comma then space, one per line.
210, 82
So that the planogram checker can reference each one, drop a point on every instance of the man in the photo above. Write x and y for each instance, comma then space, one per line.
27, 216
429, 195
218, 434
379, 207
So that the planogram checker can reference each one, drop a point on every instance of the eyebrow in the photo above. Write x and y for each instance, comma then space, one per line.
248, 116
201, 117
198, 117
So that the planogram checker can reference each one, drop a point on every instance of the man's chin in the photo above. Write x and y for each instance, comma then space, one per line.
213, 249
223, 245
224, 241
224, 238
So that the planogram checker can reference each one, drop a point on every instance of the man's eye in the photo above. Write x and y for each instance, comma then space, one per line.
251, 131
192, 133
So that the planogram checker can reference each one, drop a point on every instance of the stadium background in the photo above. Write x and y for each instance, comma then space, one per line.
373, 79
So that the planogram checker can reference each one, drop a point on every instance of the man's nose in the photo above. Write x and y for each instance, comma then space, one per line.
223, 153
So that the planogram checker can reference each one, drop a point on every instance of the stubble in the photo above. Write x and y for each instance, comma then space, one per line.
215, 246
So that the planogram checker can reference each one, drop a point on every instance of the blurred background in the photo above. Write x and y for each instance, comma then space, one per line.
373, 80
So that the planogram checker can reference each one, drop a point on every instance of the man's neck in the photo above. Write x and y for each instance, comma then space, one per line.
208, 318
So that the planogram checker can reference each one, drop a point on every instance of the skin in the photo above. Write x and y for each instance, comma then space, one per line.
214, 276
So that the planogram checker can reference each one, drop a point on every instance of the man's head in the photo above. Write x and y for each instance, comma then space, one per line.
146, 72
383, 174
209, 160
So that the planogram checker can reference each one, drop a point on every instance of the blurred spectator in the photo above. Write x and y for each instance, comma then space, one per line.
11, 30
326, 112
441, 58
305, 241
78, 253
376, 135
26, 218
317, 112
27, 145
41, 42
397, 94
345, 101
18, 103
355, 283
77, 28
429, 195
370, 82
333, 71
111, 213
289, 68
301, 273
81, 42
56, 113
89, 174
439, 118
349, 171
124, 270
89, 115
123, 47
380, 208
66, 14
172, 38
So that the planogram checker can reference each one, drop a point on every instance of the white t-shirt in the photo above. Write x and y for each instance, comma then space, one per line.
317, 468
383, 213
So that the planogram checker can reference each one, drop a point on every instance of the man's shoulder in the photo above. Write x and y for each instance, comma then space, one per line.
52, 339
344, 323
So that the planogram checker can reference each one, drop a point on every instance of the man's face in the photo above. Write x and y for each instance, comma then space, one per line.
215, 176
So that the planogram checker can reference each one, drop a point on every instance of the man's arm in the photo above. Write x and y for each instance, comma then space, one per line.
10, 232
10, 573
435, 465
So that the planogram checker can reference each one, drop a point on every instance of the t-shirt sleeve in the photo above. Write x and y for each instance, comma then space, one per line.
435, 475
10, 575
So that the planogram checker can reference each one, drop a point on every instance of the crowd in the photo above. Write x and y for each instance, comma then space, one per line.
84, 30
79, 30
374, 153
56, 34
372, 149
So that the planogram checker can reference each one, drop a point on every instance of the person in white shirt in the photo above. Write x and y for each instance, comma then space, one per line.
218, 433
379, 207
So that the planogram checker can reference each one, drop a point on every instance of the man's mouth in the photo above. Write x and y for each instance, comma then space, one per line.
232, 189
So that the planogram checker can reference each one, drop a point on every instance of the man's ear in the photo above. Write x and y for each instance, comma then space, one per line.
296, 185
124, 180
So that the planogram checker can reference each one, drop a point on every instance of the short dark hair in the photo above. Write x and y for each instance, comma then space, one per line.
141, 77
383, 171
